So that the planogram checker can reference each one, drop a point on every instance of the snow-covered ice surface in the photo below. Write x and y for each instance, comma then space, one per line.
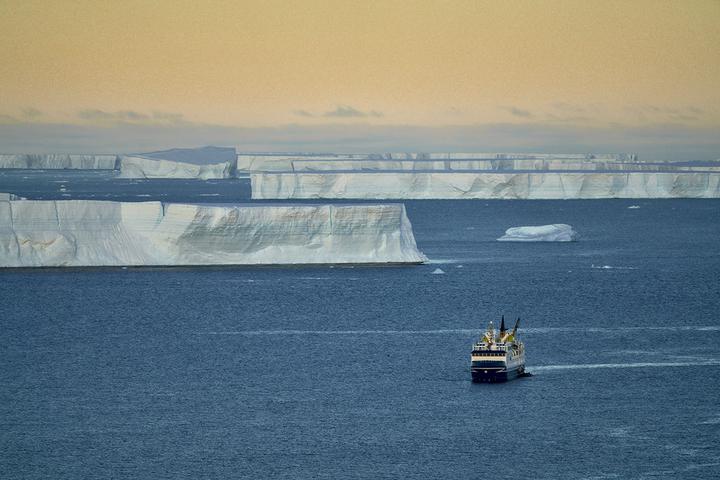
58, 161
459, 185
558, 232
98, 233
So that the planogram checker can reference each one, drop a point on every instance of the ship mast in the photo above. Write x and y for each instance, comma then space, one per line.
503, 330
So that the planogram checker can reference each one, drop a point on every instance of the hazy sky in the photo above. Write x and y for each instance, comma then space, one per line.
269, 64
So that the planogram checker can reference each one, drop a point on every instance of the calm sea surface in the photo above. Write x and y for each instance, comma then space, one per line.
363, 372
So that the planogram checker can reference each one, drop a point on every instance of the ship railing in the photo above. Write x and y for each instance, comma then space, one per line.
492, 348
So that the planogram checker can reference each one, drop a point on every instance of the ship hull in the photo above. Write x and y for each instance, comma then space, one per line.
496, 375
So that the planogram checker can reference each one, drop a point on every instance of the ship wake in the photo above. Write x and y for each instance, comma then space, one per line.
581, 366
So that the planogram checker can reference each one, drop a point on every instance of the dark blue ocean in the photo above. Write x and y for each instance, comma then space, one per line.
363, 372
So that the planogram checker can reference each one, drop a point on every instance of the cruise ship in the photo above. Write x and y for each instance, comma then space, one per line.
498, 357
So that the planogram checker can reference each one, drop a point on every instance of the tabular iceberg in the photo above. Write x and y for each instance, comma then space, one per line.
558, 232
199, 163
291, 162
496, 185
138, 166
97, 233
59, 161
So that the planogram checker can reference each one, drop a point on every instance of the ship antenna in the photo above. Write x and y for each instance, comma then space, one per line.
502, 326
517, 323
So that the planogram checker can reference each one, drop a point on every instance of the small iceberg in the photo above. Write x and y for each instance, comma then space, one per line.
610, 267
558, 232
438, 271
632, 207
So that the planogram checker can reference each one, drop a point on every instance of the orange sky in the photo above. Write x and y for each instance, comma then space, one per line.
267, 63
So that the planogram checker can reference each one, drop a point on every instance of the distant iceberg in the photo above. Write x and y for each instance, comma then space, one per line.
191, 163
99, 233
196, 163
59, 161
451, 161
558, 232
137, 166
484, 185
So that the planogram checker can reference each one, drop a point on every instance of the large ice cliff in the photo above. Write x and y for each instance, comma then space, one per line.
497, 165
511, 185
258, 162
59, 161
97, 233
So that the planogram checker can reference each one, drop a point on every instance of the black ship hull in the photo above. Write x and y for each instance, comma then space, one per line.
494, 375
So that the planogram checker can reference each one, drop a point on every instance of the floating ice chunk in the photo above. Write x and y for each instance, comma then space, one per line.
558, 232
610, 267
438, 271
632, 207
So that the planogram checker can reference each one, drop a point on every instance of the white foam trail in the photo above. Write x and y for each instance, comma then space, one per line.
449, 331
705, 328
581, 366
711, 421
340, 332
